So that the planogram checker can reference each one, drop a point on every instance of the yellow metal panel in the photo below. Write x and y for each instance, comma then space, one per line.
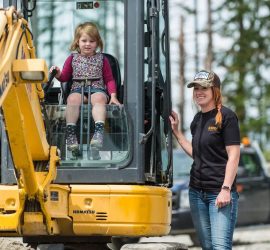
3, 21
58, 208
9, 207
29, 103
9, 198
18, 142
10, 213
8, 53
33, 224
9, 222
3, 33
33, 121
120, 229
41, 176
120, 210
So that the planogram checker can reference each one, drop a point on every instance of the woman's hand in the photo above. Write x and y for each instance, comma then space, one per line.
174, 121
57, 69
114, 99
223, 199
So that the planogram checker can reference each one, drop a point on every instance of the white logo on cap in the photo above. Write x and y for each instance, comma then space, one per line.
202, 75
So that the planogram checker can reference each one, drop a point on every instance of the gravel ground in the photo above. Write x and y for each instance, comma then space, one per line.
12, 244
248, 238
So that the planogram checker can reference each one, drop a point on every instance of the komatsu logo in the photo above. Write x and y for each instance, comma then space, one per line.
88, 211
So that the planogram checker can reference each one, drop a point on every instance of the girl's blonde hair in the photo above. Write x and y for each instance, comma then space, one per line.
91, 30
218, 103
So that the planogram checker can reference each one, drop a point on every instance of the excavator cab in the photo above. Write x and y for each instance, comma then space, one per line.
137, 141
123, 190
115, 144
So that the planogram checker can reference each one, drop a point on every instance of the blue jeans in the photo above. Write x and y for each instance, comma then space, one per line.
214, 226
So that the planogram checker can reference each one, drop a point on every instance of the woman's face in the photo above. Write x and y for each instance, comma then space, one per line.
204, 97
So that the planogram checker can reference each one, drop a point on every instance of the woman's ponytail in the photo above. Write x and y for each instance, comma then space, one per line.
218, 103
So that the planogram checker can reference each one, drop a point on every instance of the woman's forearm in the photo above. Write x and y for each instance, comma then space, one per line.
183, 142
232, 164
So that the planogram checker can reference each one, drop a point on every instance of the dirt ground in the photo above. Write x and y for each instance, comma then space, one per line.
248, 238
12, 244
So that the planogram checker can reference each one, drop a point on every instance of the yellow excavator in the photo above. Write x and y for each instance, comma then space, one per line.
49, 195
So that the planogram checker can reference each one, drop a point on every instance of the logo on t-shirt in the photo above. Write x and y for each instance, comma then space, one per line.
212, 128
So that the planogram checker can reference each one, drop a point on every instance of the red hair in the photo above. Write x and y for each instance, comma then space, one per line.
218, 103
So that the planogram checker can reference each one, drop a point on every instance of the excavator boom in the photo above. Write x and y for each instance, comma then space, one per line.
21, 75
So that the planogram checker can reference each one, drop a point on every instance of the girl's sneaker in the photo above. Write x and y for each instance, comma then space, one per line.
72, 142
97, 140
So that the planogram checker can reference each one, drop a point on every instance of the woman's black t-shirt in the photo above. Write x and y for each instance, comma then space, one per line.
209, 148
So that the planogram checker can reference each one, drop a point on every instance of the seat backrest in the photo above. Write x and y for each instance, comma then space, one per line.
66, 86
116, 74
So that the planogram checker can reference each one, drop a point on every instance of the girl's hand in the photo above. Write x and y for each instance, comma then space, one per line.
57, 69
174, 121
114, 100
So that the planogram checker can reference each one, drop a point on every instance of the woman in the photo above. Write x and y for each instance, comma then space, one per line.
215, 148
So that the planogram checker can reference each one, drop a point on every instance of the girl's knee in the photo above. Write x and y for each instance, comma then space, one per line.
99, 98
74, 99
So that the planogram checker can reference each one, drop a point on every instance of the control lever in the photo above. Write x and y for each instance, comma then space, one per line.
49, 83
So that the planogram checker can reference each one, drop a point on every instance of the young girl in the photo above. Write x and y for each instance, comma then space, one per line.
87, 63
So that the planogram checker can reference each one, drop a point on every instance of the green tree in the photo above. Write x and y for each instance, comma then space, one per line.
49, 32
246, 23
